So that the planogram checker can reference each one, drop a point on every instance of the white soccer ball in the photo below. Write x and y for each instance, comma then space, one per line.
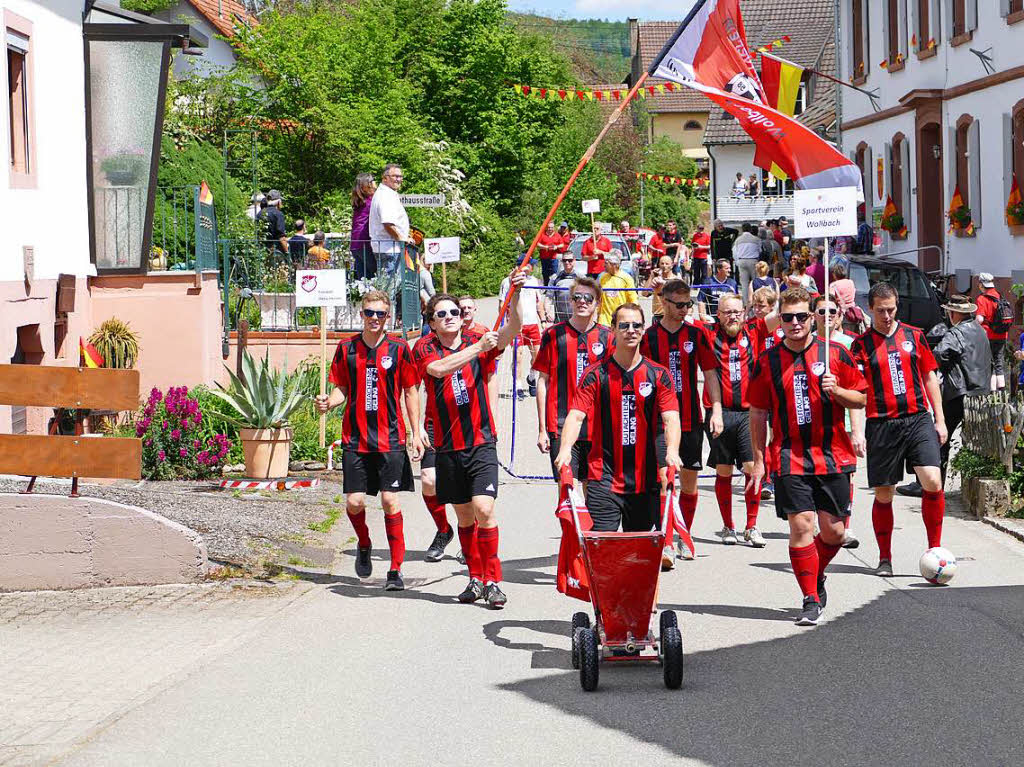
938, 565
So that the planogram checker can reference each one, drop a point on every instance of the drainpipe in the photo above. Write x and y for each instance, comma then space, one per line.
838, 97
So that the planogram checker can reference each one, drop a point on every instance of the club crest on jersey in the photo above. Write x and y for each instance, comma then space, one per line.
387, 362
645, 388
744, 343
597, 348
818, 368
688, 346
908, 346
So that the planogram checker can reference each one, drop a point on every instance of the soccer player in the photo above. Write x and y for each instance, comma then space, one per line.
463, 434
566, 350
735, 346
900, 370
681, 348
371, 371
805, 396
623, 398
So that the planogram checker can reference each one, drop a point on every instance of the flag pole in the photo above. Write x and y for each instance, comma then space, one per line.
586, 158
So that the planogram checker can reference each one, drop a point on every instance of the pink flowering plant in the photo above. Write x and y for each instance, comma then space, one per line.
176, 443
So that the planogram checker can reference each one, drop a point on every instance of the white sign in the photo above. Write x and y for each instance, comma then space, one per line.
825, 212
441, 250
422, 200
591, 206
320, 287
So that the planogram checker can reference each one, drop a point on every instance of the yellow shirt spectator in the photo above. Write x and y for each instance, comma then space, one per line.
610, 301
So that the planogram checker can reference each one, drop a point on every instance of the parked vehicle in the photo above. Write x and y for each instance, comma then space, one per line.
920, 303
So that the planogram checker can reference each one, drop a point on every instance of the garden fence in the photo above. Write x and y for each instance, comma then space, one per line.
992, 426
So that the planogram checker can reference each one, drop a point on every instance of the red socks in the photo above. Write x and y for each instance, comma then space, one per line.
437, 512
805, 568
362, 531
933, 506
882, 521
393, 526
468, 539
752, 497
487, 545
688, 507
826, 552
723, 492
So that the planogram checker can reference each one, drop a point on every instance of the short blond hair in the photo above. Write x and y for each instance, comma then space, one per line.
373, 297
766, 294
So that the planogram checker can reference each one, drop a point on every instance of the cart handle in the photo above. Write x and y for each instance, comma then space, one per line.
565, 481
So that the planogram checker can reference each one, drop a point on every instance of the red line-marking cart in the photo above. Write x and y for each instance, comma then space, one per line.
619, 572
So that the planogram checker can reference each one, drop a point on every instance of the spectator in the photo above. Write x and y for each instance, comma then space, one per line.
276, 236
617, 288
318, 256
740, 186
659, 277
1019, 356
363, 260
672, 239
550, 246
427, 289
467, 305
566, 234
561, 300
701, 244
798, 275
776, 232
719, 283
389, 223
753, 185
531, 304
258, 203
298, 243
762, 303
761, 280
787, 236
722, 237
865, 242
996, 327
595, 251
747, 252
816, 269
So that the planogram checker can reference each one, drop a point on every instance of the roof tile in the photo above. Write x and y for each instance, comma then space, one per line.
223, 14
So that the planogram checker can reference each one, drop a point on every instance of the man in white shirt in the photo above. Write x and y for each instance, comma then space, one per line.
746, 251
534, 311
389, 223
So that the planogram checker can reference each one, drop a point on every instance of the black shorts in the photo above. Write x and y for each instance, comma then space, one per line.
372, 472
732, 446
796, 493
998, 361
462, 474
893, 443
577, 459
429, 460
691, 445
636, 512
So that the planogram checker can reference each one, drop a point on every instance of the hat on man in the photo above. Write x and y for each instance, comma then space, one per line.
564, 225
961, 304
273, 195
986, 280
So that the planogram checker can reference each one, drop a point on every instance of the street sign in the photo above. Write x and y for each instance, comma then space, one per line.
825, 212
422, 200
591, 206
441, 250
320, 287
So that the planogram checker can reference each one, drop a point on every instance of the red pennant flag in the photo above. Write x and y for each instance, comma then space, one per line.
671, 86
205, 195
650, 89
598, 94
580, 95
618, 95
543, 93
526, 89
913, 40
884, 64
561, 94
786, 38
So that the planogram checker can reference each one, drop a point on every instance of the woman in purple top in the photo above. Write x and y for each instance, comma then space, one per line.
362, 253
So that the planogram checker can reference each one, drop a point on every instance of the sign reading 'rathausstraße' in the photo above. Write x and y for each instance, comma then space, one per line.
825, 212
422, 200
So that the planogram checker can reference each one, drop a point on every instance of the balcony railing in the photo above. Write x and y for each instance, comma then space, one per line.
739, 209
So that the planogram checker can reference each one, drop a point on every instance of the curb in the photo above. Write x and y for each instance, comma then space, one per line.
1014, 530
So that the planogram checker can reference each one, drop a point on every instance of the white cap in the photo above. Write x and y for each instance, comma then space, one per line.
986, 280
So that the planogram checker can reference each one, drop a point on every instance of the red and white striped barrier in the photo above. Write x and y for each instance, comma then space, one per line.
330, 454
288, 483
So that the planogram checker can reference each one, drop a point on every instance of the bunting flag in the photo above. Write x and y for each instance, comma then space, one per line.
1014, 200
884, 64
890, 210
673, 179
774, 44
205, 195
590, 94
88, 355
956, 204
781, 82
913, 41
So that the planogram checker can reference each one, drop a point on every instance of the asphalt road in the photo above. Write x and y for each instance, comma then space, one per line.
899, 673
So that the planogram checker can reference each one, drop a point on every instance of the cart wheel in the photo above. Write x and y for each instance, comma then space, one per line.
672, 657
579, 621
666, 619
589, 659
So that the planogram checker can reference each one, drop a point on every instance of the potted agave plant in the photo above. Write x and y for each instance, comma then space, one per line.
264, 400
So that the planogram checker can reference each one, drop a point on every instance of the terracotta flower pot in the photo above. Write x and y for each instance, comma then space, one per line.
266, 452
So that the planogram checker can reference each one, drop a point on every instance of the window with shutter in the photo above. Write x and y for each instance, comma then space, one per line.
1017, 140
18, 49
858, 45
896, 171
893, 29
961, 169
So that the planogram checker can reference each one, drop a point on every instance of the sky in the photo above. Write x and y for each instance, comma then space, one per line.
613, 10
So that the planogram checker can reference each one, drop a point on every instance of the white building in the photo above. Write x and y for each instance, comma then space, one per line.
950, 113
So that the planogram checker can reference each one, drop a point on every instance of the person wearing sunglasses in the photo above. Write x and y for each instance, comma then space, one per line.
462, 431
804, 389
623, 399
372, 373
566, 350
681, 348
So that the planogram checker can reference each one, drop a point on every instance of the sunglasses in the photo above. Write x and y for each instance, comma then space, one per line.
440, 314
378, 313
585, 298
630, 326
833, 312
798, 316
679, 304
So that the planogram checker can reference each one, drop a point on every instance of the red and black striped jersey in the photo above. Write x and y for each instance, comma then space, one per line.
808, 430
768, 340
736, 358
458, 410
624, 408
681, 353
563, 356
896, 368
373, 379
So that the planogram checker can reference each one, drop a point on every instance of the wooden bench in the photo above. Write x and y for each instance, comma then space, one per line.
74, 456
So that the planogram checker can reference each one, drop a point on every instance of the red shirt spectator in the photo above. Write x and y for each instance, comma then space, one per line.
701, 244
656, 248
590, 248
550, 244
988, 302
